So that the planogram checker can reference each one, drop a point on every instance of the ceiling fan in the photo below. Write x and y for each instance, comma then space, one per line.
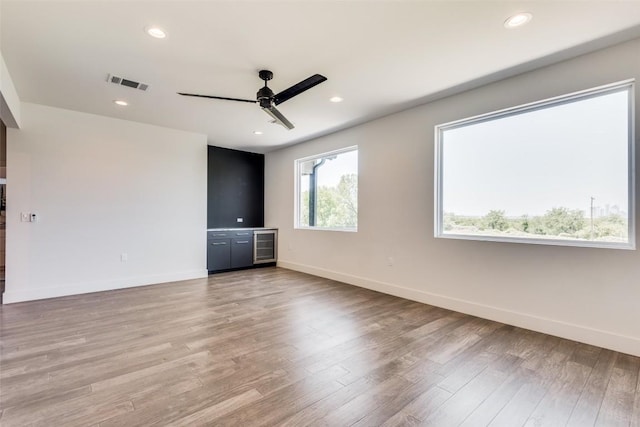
268, 100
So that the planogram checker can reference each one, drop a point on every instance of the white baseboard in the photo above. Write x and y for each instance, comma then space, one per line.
18, 295
587, 335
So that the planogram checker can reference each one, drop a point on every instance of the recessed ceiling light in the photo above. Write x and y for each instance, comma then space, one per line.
518, 20
121, 103
335, 99
156, 32
257, 132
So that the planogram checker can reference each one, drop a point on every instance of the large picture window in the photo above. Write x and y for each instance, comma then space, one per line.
327, 191
559, 171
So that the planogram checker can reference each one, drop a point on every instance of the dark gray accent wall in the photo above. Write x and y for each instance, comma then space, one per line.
235, 188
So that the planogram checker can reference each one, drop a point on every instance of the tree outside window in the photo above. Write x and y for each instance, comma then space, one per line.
327, 191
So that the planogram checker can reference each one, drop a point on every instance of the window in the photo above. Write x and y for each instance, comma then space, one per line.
327, 191
559, 171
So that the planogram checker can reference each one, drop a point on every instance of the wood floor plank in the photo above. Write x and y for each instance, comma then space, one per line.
393, 402
635, 417
286, 401
618, 401
209, 414
419, 409
543, 367
556, 406
274, 347
486, 411
467, 371
356, 409
462, 404
588, 405
82, 410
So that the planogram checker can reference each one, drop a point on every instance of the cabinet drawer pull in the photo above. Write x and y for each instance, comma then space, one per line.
242, 241
219, 243
242, 234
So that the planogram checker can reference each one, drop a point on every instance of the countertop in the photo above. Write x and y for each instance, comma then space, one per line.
241, 228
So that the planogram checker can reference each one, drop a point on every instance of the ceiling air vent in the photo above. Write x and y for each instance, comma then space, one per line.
126, 82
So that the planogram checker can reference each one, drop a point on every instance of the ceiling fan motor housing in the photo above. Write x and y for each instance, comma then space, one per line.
265, 97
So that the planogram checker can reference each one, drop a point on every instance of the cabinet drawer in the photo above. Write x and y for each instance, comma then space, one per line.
230, 234
218, 235
242, 234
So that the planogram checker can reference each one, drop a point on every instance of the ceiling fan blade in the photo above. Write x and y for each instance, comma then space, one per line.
217, 97
298, 88
278, 117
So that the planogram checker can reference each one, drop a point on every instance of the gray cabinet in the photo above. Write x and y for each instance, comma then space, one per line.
218, 254
240, 248
227, 249
242, 252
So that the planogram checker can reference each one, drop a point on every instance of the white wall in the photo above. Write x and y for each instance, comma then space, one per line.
9, 101
589, 295
101, 187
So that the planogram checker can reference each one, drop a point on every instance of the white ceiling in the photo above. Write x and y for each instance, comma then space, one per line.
380, 56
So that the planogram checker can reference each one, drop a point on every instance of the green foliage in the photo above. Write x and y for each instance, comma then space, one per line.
610, 228
495, 220
556, 223
304, 208
337, 207
559, 221
536, 226
449, 221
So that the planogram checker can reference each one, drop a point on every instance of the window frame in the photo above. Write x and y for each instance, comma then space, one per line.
297, 188
625, 85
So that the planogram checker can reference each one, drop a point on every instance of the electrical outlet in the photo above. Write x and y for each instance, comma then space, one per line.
390, 261
124, 257
239, 219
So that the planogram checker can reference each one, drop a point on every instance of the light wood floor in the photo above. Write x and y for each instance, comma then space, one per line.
272, 347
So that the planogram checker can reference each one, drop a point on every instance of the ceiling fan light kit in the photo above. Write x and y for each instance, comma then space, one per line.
268, 100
